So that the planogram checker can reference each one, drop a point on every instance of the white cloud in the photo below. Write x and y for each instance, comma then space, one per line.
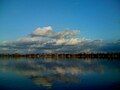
47, 35
43, 31
46, 40
61, 41
73, 41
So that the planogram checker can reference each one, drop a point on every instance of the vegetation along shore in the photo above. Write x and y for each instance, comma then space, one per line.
64, 55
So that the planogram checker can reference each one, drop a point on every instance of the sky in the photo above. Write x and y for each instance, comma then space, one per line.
46, 40
96, 19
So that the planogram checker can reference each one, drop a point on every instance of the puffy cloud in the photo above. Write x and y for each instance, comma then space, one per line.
46, 35
42, 31
73, 41
45, 40
61, 41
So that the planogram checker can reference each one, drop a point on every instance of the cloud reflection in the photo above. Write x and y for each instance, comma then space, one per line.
47, 72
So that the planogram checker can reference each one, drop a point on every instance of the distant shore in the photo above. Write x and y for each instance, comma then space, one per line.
63, 55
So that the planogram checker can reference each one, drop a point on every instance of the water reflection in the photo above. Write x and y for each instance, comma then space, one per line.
50, 73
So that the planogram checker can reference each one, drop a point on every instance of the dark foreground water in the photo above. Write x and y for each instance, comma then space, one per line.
67, 74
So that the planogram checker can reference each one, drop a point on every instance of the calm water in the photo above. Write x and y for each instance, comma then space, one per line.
67, 74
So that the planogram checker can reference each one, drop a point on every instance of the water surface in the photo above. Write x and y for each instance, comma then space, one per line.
59, 74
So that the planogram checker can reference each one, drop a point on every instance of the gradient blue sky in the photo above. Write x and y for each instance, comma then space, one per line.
96, 19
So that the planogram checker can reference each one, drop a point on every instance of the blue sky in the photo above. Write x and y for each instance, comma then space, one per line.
96, 19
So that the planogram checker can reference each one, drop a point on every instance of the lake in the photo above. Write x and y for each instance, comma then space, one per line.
59, 74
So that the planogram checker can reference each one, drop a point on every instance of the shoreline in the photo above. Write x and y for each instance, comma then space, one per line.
63, 55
